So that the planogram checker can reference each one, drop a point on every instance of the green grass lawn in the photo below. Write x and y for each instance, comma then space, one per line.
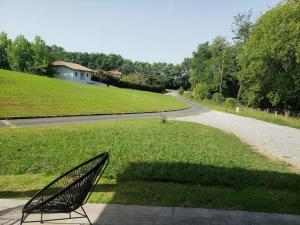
32, 95
172, 164
249, 112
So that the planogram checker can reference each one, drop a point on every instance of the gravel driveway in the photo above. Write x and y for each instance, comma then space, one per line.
277, 141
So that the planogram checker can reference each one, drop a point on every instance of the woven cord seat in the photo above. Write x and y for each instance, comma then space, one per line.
68, 192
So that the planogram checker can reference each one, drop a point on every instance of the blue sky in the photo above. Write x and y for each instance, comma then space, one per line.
144, 30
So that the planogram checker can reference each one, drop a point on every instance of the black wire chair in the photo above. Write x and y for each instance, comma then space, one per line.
69, 192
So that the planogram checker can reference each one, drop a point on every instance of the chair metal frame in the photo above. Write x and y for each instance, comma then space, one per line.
42, 206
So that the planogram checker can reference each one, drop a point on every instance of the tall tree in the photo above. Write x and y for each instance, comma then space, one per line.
57, 53
200, 65
4, 46
184, 74
20, 54
242, 26
41, 55
215, 65
219, 55
270, 59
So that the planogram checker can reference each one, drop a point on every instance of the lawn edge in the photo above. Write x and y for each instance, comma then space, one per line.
89, 114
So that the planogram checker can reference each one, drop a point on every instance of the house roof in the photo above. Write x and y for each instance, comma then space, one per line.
73, 66
115, 72
101, 71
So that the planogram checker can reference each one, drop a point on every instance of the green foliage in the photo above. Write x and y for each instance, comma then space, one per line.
262, 67
270, 59
4, 47
20, 54
157, 74
216, 65
184, 75
242, 27
132, 81
41, 56
190, 94
230, 103
200, 64
181, 90
47, 96
142, 79
106, 77
58, 53
137, 78
218, 98
201, 91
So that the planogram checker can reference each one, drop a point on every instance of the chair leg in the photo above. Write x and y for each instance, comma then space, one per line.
22, 219
86, 215
42, 218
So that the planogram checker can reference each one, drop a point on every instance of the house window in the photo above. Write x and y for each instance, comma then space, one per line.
87, 75
81, 76
76, 74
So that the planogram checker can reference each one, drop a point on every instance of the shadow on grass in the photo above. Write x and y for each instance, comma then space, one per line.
199, 186
199, 174
196, 185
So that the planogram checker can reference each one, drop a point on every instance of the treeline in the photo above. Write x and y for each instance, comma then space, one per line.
261, 68
36, 57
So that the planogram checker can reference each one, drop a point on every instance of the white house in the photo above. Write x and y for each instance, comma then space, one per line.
72, 71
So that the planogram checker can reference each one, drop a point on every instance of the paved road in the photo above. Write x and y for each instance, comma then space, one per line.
2, 124
192, 110
277, 141
112, 214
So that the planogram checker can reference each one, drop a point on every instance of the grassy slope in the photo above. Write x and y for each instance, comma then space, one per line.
173, 164
29, 95
248, 112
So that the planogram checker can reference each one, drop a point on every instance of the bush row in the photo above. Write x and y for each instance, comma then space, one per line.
201, 93
109, 80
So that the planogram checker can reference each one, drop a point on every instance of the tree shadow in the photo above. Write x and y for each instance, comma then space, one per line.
204, 186
208, 175
190, 185
193, 174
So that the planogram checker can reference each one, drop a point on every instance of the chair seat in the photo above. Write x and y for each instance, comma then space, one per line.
58, 207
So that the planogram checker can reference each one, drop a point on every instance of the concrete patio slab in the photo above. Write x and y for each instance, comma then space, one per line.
114, 214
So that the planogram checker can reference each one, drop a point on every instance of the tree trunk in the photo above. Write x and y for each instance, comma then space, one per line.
222, 71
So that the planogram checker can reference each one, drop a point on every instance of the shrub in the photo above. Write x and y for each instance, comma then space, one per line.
181, 90
110, 80
201, 91
124, 84
218, 98
230, 102
189, 94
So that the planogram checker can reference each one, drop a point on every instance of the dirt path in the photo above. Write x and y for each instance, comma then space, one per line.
277, 141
